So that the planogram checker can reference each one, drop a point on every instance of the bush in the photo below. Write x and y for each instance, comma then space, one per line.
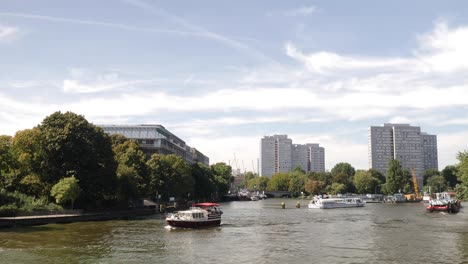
8, 210
16, 202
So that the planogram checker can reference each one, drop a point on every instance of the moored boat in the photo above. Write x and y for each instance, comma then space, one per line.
321, 203
198, 216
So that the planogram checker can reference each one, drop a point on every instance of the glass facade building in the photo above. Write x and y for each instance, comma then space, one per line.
156, 139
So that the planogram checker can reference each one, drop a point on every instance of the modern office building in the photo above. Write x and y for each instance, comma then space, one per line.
414, 149
279, 154
157, 139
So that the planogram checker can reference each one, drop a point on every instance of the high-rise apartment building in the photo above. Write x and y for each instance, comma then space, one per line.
316, 158
157, 139
278, 154
414, 149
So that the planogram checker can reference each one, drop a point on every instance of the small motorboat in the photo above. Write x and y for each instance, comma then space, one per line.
198, 216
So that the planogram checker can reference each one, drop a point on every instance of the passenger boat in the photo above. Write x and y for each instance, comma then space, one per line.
444, 202
396, 198
320, 203
198, 216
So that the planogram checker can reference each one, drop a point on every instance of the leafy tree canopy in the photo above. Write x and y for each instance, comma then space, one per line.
67, 189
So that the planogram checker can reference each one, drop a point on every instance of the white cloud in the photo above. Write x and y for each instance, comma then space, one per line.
323, 87
444, 49
7, 32
449, 144
298, 12
325, 62
400, 120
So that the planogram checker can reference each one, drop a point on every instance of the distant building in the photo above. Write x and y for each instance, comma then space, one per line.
157, 139
316, 158
278, 154
413, 148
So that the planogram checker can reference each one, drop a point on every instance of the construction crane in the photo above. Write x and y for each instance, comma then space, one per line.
415, 183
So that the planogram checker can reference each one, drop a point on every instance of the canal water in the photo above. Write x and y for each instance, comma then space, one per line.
254, 232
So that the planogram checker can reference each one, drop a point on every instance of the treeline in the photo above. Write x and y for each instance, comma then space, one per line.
69, 161
343, 178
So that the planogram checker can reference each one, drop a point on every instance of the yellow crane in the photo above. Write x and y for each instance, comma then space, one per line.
415, 183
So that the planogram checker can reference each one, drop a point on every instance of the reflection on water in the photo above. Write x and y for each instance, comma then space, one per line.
254, 232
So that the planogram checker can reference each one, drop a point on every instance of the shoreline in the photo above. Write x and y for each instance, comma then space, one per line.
19, 221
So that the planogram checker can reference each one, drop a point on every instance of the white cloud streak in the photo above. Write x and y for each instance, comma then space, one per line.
199, 29
298, 12
7, 32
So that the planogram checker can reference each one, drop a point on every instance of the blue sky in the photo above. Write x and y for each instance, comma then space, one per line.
223, 74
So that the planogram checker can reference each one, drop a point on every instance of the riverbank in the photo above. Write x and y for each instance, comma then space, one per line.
6, 222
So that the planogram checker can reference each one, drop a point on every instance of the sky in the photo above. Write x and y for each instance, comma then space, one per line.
222, 74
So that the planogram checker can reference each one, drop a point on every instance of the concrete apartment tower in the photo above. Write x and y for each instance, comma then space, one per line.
414, 150
316, 158
278, 154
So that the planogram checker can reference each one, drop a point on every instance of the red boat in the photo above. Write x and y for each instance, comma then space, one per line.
444, 203
198, 216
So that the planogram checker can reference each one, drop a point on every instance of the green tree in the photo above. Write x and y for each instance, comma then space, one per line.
247, 177
127, 189
279, 182
437, 183
377, 175
450, 175
365, 182
71, 144
343, 173
32, 185
395, 180
258, 183
204, 186
336, 188
315, 186
128, 153
67, 189
7, 163
462, 167
343, 168
429, 173
297, 180
222, 175
170, 175
27, 146
262, 183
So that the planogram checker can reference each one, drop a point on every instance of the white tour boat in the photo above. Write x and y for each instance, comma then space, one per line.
320, 203
198, 216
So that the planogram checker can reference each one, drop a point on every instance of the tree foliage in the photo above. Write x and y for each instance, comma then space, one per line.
279, 182
450, 175
222, 175
429, 173
66, 190
365, 182
344, 173
170, 176
7, 163
129, 154
204, 186
437, 183
395, 181
72, 144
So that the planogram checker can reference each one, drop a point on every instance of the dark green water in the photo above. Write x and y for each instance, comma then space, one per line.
254, 232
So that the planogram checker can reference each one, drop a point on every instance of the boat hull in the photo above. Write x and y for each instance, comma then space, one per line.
193, 224
333, 206
453, 208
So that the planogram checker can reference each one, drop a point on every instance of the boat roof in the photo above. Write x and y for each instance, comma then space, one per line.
206, 204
